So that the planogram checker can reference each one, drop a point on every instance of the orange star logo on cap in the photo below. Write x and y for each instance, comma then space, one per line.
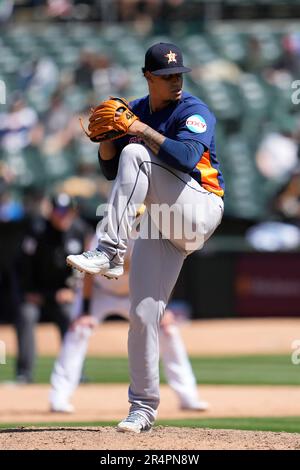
171, 56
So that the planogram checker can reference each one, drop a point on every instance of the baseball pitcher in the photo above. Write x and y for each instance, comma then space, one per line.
160, 151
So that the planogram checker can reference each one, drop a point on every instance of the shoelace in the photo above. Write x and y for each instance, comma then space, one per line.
134, 416
91, 254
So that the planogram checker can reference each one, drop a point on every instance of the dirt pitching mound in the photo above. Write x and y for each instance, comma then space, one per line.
161, 437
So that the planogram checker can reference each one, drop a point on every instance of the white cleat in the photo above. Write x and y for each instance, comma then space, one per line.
95, 262
62, 408
195, 406
135, 423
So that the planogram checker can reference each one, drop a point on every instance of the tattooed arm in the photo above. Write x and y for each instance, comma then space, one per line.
151, 138
181, 155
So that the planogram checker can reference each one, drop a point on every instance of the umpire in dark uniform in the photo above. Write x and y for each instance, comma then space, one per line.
47, 283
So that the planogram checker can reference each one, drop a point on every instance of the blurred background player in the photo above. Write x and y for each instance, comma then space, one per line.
46, 282
97, 299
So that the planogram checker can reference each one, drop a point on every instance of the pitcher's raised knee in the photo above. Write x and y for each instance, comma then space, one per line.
135, 152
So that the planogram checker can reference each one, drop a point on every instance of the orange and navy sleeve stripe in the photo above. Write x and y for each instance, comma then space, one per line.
211, 178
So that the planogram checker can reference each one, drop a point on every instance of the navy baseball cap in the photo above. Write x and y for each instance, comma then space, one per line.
164, 59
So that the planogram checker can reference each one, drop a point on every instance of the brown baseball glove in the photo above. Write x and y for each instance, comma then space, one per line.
110, 120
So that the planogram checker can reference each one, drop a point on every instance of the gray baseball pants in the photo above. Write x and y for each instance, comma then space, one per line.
166, 238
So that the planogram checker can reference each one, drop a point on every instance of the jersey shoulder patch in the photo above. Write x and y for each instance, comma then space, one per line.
196, 123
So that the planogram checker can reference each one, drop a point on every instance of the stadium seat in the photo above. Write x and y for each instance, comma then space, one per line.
229, 43
243, 194
244, 102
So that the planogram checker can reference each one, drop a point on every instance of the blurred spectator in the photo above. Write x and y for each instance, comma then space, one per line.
287, 68
6, 10
173, 9
143, 14
10, 208
26, 74
57, 126
106, 9
59, 8
254, 61
290, 59
57, 116
18, 126
84, 70
109, 78
143, 24
6, 173
286, 203
85, 151
128, 9
47, 282
36, 203
40, 75
277, 155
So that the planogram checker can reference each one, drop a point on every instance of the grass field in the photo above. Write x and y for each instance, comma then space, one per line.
278, 424
228, 370
235, 370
